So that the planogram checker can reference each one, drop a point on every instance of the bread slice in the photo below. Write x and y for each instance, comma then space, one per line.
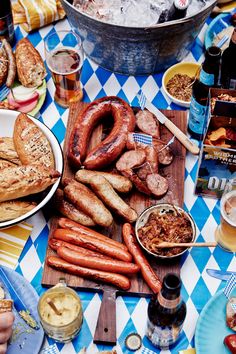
5, 163
6, 305
13, 209
8, 151
20, 181
31, 144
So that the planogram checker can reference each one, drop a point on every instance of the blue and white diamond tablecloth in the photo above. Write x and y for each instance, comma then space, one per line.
198, 287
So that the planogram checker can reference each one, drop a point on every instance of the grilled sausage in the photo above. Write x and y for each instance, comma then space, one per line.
118, 280
118, 182
131, 159
139, 184
85, 200
108, 195
165, 155
93, 244
148, 273
148, 123
157, 184
11, 63
151, 163
94, 262
69, 224
112, 146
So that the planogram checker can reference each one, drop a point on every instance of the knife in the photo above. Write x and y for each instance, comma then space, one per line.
18, 303
185, 141
220, 274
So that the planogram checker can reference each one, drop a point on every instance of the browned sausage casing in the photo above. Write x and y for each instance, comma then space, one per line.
111, 265
148, 273
112, 146
93, 244
72, 225
118, 280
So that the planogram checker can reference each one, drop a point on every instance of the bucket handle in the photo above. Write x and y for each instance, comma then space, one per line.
166, 24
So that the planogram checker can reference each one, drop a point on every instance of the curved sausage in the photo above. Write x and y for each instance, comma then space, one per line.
148, 273
112, 146
131, 159
151, 163
11, 63
84, 199
74, 226
118, 280
118, 182
94, 262
93, 244
157, 184
139, 184
108, 195
148, 123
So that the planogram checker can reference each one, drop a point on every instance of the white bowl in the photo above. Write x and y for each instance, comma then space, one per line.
7, 121
187, 68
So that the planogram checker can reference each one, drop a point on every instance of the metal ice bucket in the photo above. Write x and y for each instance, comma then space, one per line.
136, 50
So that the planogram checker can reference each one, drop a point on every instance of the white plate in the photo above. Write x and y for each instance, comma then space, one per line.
7, 121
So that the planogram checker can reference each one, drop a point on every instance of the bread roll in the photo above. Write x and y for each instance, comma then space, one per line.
7, 151
3, 65
29, 64
5, 163
31, 143
6, 305
20, 181
14, 208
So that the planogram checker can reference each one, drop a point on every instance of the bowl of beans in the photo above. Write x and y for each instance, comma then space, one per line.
177, 82
164, 223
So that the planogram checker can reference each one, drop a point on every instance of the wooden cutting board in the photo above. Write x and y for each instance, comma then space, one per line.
106, 324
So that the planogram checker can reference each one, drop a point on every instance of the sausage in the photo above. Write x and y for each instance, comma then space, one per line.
105, 191
165, 156
148, 273
148, 123
85, 200
118, 182
151, 164
139, 184
112, 146
93, 244
157, 184
131, 159
67, 209
11, 63
69, 224
118, 280
94, 262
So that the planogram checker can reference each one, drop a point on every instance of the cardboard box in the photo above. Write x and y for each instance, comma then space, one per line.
217, 160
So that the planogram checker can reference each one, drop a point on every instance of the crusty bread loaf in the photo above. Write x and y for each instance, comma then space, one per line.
30, 67
5, 163
7, 151
6, 305
3, 65
20, 181
31, 143
13, 209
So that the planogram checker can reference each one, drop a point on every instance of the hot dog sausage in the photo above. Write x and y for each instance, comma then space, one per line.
93, 244
84, 199
118, 280
11, 63
112, 146
94, 262
148, 123
148, 274
105, 191
118, 182
74, 226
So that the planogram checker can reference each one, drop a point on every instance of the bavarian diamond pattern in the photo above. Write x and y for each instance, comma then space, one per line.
198, 286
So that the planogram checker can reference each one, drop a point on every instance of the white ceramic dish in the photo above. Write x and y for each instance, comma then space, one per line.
7, 121
187, 68
162, 208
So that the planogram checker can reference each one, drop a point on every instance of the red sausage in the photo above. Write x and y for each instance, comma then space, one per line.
74, 226
118, 280
87, 261
92, 244
148, 273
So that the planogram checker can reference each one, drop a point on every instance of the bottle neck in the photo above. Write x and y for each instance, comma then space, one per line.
5, 8
233, 39
168, 301
178, 9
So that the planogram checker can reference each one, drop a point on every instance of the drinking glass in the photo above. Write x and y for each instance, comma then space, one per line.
226, 232
64, 57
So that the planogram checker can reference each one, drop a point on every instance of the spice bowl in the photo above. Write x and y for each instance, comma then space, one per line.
184, 68
164, 222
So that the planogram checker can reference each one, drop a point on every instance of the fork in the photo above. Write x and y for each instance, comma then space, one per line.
185, 141
4, 90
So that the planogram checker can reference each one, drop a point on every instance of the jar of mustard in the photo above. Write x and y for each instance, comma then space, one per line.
60, 313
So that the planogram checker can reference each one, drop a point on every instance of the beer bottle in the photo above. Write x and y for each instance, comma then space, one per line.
228, 65
166, 314
6, 21
177, 10
209, 76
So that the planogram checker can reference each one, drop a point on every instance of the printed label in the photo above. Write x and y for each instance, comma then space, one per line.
206, 78
170, 304
163, 337
197, 116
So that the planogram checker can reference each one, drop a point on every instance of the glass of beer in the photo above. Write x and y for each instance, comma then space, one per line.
226, 232
64, 57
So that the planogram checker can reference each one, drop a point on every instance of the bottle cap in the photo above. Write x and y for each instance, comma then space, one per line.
133, 341
181, 4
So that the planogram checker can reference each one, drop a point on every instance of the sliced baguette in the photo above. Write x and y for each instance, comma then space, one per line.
13, 209
8, 151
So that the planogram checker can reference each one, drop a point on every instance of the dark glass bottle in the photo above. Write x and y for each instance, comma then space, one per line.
228, 66
177, 10
209, 77
166, 314
6, 21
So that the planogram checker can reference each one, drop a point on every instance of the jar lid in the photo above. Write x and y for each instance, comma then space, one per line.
133, 341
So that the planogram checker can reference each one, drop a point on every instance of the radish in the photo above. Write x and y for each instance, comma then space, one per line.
23, 99
11, 101
26, 108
